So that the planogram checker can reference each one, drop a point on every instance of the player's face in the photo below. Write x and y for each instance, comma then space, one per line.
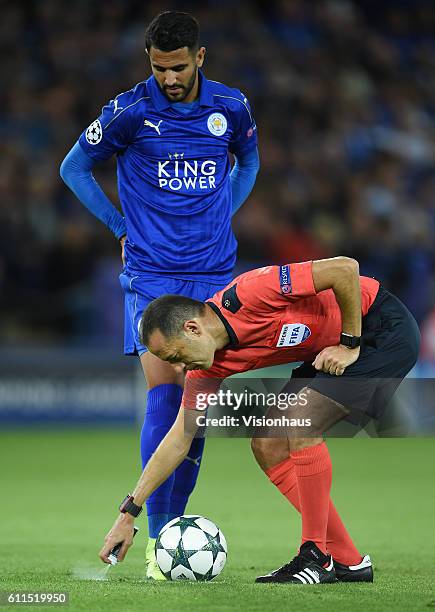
192, 348
177, 72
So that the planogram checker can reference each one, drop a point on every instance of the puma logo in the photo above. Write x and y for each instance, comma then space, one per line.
153, 125
193, 460
116, 107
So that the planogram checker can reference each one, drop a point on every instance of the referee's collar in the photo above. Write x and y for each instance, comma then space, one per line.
230, 331
160, 101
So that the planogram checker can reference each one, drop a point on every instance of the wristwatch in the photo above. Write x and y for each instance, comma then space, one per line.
128, 505
349, 340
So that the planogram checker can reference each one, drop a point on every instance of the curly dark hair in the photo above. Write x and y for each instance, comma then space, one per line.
172, 30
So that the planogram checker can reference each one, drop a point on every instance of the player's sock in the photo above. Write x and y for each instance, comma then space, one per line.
186, 476
314, 475
156, 522
338, 541
162, 408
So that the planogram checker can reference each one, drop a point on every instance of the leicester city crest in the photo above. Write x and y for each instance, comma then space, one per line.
217, 124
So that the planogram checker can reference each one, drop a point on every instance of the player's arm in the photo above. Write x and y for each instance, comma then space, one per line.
243, 177
168, 456
76, 172
243, 145
108, 135
341, 274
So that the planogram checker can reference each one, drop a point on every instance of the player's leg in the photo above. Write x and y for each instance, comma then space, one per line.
163, 400
185, 478
165, 389
187, 472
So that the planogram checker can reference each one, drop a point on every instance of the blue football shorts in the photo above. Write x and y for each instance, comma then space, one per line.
141, 289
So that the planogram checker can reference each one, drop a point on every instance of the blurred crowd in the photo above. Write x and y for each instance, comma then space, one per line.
344, 97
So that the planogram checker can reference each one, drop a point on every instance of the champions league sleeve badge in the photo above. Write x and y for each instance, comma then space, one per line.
285, 280
94, 133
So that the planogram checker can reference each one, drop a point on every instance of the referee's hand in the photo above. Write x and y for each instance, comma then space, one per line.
335, 359
122, 531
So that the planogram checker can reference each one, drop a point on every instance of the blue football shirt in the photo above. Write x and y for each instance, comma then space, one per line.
174, 175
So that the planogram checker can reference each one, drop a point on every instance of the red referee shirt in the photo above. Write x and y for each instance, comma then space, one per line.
273, 315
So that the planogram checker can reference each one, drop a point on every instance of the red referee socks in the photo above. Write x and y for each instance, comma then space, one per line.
309, 471
314, 476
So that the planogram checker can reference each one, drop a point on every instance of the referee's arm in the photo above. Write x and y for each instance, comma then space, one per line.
341, 274
169, 454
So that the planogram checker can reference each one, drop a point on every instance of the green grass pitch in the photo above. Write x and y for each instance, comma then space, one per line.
60, 491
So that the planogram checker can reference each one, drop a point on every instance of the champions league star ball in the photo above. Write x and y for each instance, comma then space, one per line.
191, 547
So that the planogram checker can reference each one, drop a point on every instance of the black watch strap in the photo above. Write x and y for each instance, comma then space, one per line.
349, 340
128, 505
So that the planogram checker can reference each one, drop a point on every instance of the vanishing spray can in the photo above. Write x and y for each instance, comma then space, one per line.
113, 557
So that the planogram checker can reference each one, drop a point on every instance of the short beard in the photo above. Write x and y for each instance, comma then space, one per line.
186, 90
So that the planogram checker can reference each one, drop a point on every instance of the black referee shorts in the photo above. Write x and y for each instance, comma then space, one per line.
389, 350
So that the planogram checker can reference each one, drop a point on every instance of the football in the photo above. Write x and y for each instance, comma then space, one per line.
191, 547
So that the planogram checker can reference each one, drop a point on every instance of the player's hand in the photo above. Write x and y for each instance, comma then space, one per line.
121, 242
335, 359
122, 531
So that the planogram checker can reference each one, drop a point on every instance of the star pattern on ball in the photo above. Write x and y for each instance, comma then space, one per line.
208, 551
180, 556
214, 545
185, 522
